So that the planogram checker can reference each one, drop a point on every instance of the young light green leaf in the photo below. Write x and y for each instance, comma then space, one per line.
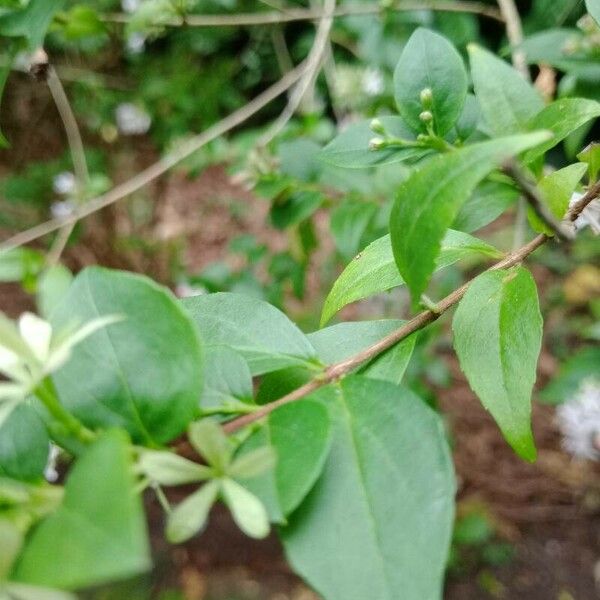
98, 534
507, 101
430, 62
52, 287
381, 513
350, 149
497, 336
557, 189
20, 263
338, 342
117, 376
190, 517
593, 7
562, 117
31, 22
24, 444
12, 542
263, 335
591, 156
19, 591
429, 201
209, 440
247, 510
167, 468
374, 270
253, 463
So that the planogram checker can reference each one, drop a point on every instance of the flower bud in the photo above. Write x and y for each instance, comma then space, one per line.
426, 116
377, 126
422, 137
376, 143
426, 97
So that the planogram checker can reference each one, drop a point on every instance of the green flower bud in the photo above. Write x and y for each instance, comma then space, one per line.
377, 126
426, 97
426, 116
422, 137
376, 143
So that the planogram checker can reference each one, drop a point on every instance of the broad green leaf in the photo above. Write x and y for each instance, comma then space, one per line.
350, 148
593, 7
486, 204
263, 335
300, 435
227, 380
507, 101
52, 287
20, 591
24, 444
32, 22
562, 117
144, 373
429, 201
338, 342
190, 516
298, 159
98, 534
378, 522
497, 336
430, 61
167, 468
295, 208
374, 270
591, 156
469, 118
551, 47
348, 223
557, 189
247, 510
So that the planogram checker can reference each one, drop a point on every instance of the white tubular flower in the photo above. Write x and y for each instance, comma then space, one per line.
590, 217
30, 351
132, 120
373, 83
579, 421
64, 183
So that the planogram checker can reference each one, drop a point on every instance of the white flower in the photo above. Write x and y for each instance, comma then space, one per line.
132, 120
590, 217
185, 290
579, 421
64, 183
130, 6
30, 351
50, 472
61, 210
136, 42
372, 82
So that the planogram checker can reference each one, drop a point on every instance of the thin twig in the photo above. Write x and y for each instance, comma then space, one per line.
77, 150
304, 14
313, 66
162, 166
335, 372
532, 194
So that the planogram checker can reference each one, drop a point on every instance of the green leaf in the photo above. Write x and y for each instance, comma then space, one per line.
52, 287
591, 156
557, 189
253, 463
430, 61
378, 522
593, 7
348, 223
98, 534
429, 201
247, 510
19, 591
209, 440
374, 270
227, 380
32, 22
350, 149
469, 118
562, 117
263, 335
167, 468
295, 208
144, 373
81, 22
497, 336
507, 101
190, 517
486, 204
341, 341
19, 264
300, 435
24, 444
